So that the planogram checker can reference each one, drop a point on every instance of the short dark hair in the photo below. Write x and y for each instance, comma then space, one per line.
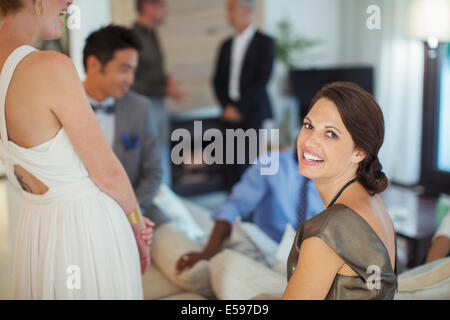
140, 4
105, 42
363, 118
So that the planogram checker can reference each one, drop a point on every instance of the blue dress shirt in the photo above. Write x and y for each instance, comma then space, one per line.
270, 201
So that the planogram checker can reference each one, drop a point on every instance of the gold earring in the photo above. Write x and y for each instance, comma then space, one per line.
38, 7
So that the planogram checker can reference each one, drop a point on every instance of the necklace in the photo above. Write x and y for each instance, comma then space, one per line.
342, 190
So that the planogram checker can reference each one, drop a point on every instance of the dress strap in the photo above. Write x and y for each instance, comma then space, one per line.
6, 75
336, 197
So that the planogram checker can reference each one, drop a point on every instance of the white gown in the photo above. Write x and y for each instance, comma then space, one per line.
74, 242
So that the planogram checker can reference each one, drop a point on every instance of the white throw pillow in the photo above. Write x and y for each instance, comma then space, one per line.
282, 255
201, 215
169, 244
173, 207
237, 277
427, 282
248, 239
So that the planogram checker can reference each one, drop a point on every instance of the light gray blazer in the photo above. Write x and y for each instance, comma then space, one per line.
141, 160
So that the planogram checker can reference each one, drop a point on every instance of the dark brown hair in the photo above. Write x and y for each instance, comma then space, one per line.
140, 4
363, 118
104, 43
8, 6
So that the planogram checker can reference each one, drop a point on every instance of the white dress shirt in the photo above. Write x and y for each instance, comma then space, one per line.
107, 121
238, 51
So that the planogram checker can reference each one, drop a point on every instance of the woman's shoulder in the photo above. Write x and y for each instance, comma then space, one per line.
341, 228
50, 77
49, 71
330, 215
35, 61
336, 222
48, 61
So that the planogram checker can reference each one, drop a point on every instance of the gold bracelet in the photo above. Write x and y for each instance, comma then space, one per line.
136, 216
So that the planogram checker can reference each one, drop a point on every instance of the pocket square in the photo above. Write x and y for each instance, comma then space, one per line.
130, 141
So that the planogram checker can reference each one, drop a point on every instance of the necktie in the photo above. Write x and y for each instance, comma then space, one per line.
303, 202
107, 109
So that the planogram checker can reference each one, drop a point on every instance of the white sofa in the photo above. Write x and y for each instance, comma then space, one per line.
253, 255
252, 266
159, 286
170, 242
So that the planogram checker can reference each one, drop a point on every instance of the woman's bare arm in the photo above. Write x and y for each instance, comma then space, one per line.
65, 95
439, 249
316, 269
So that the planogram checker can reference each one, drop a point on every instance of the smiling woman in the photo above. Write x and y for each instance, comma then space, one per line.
60, 45
335, 254
363, 119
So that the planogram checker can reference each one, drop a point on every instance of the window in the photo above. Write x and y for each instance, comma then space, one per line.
435, 176
444, 114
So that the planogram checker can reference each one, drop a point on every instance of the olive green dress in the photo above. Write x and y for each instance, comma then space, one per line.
352, 238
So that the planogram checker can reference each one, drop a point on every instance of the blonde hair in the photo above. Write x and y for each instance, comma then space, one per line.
8, 6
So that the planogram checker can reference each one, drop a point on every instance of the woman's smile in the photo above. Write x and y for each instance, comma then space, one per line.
310, 158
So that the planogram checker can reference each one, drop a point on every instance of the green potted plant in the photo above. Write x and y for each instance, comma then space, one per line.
290, 46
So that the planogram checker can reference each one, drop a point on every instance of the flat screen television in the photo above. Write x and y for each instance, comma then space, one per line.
307, 82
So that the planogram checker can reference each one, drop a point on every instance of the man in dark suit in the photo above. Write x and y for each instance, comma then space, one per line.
243, 71
111, 56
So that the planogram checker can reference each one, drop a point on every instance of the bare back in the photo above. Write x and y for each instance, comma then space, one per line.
29, 119
374, 213
28, 122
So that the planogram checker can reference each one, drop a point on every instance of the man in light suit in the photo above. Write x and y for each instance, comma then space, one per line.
244, 68
111, 56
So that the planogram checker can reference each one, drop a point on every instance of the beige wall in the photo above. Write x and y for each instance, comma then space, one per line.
190, 38
123, 12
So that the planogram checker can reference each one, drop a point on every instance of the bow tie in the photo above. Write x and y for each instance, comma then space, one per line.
107, 110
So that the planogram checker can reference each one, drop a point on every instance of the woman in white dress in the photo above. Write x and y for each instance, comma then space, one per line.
74, 240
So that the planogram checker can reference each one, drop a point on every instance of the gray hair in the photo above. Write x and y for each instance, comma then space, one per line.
248, 3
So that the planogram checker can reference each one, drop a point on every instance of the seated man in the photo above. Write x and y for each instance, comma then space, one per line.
111, 56
270, 201
441, 242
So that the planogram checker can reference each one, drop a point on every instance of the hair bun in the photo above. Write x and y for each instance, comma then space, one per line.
371, 176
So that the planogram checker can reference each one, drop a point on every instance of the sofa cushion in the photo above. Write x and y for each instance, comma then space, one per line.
280, 262
169, 244
201, 215
426, 282
172, 205
237, 277
185, 296
249, 240
157, 286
